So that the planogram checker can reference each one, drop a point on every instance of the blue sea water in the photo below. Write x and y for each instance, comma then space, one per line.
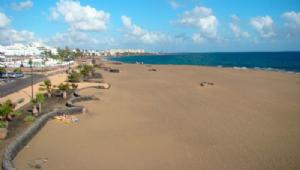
276, 61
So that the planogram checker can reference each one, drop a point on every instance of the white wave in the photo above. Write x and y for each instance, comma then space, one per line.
240, 68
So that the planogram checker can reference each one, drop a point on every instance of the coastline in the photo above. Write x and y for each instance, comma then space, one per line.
107, 60
164, 119
267, 61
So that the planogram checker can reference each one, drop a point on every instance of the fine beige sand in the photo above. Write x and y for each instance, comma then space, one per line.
165, 120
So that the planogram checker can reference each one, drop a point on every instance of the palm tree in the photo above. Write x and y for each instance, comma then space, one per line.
6, 109
64, 88
86, 70
78, 53
40, 98
48, 85
30, 63
34, 108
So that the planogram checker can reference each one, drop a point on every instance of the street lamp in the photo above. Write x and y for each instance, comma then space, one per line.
30, 63
69, 62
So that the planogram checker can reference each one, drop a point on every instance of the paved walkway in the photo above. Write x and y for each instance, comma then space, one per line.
19, 84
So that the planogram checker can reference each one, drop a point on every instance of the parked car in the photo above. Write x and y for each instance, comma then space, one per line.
11, 75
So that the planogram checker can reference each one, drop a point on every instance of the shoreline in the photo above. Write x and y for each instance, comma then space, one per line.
256, 61
274, 70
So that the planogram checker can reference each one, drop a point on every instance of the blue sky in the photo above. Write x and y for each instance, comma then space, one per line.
156, 25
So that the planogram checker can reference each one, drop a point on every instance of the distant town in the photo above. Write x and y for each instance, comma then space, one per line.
19, 55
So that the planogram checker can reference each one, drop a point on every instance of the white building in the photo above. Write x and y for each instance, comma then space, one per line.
36, 63
113, 52
34, 49
18, 55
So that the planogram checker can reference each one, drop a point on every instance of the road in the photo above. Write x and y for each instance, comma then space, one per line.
19, 84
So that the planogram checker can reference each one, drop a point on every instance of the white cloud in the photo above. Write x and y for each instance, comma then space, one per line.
84, 18
264, 26
126, 21
80, 39
174, 4
4, 20
198, 39
292, 23
22, 5
292, 19
54, 15
201, 18
135, 32
236, 30
71, 38
8, 36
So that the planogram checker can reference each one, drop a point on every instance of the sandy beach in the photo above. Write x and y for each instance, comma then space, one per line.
164, 120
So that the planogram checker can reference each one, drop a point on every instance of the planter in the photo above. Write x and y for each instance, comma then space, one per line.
40, 108
35, 111
4, 131
64, 95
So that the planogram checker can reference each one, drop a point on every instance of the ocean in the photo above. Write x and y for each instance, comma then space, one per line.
275, 61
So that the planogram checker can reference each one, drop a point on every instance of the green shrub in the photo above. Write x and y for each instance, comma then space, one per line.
40, 98
18, 113
2, 70
29, 118
33, 101
63, 87
6, 109
74, 86
74, 77
18, 70
86, 70
2, 124
42, 88
48, 83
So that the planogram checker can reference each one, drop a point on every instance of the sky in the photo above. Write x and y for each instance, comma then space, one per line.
154, 25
